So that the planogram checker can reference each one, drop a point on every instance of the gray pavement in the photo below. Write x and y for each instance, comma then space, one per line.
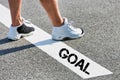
20, 60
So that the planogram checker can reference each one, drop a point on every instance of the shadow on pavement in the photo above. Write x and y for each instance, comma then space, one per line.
46, 42
4, 41
15, 49
12, 50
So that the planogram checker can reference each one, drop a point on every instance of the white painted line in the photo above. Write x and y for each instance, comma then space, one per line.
72, 59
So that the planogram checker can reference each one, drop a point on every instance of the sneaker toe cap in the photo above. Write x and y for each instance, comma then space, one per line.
80, 31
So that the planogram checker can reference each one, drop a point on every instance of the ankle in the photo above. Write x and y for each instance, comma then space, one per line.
17, 23
58, 23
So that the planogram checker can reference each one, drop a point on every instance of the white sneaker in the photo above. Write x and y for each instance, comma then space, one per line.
66, 31
15, 33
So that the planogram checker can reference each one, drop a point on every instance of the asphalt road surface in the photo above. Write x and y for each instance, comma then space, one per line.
20, 60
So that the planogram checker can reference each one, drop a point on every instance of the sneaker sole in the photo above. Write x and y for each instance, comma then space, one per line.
69, 37
21, 36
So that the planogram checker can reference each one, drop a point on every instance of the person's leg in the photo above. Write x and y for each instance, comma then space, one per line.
51, 6
18, 27
61, 27
15, 9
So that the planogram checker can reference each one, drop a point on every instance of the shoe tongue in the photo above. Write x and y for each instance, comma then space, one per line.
65, 21
64, 24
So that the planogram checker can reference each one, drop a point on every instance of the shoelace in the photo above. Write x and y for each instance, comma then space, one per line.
71, 27
28, 21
